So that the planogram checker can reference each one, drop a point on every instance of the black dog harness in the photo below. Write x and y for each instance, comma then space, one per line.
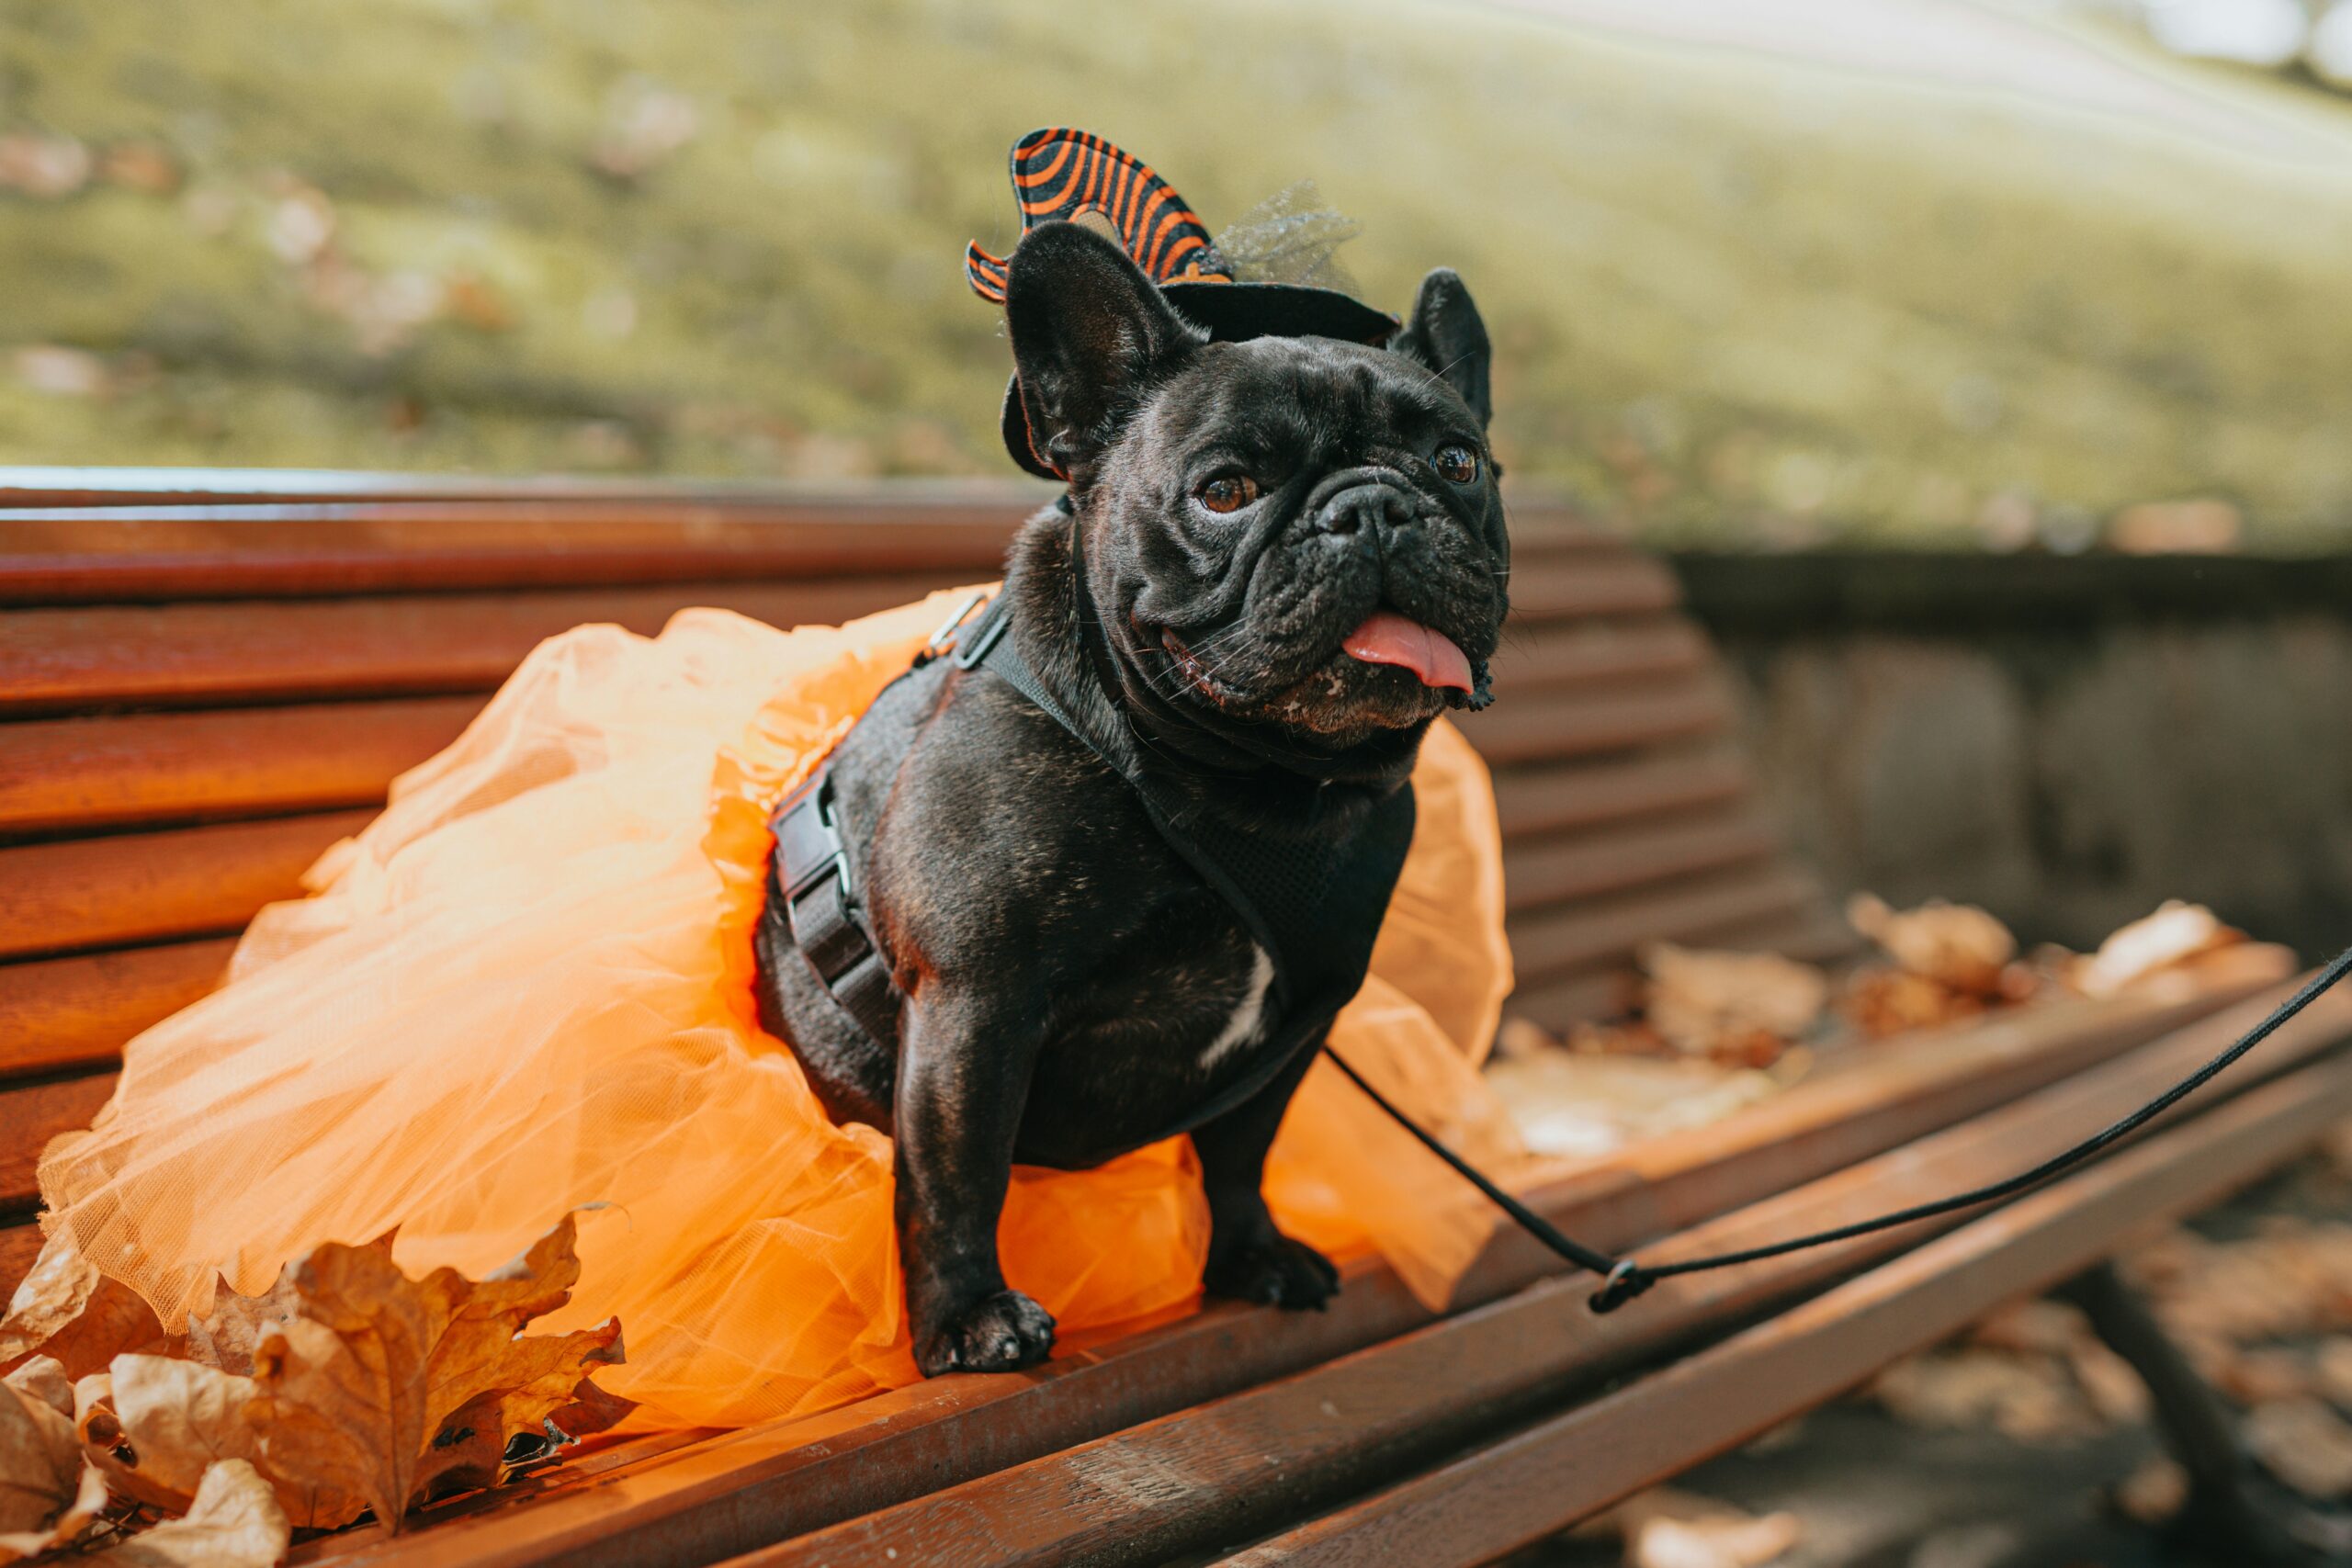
1314, 908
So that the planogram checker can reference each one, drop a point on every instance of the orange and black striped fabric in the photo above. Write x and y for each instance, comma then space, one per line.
1075, 174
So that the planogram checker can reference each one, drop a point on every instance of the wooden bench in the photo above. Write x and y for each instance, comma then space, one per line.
206, 678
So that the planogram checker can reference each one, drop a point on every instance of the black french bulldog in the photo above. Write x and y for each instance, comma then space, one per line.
1294, 559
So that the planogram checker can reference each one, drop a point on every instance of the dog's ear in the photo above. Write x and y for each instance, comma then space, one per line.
1089, 331
1446, 336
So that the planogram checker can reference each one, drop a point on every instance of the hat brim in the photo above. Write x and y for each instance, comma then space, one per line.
1236, 312
1232, 312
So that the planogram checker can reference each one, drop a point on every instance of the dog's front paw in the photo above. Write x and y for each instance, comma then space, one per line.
1275, 1271
1001, 1333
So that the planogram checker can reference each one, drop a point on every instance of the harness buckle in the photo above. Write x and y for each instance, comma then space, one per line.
944, 637
808, 839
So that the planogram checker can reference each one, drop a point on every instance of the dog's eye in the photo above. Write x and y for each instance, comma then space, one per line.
1229, 493
1456, 464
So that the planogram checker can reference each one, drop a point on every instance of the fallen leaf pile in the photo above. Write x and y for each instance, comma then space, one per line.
348, 1389
1739, 1008
1717, 1031
1944, 961
2265, 1318
2033, 1372
1579, 1104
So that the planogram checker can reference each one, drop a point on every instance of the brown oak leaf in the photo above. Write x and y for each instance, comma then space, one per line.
68, 1311
348, 1387
46, 1493
235, 1522
226, 1337
378, 1387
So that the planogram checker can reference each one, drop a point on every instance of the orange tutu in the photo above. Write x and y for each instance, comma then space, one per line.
526, 988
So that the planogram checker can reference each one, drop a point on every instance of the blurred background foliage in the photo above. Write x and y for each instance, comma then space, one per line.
1736, 293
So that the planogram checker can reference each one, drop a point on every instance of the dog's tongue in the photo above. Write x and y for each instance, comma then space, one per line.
1388, 637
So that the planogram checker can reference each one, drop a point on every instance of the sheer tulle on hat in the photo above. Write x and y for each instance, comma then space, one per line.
526, 988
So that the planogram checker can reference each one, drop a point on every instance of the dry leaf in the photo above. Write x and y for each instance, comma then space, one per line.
1574, 1105
1882, 1000
40, 1459
156, 1424
350, 1387
68, 1311
1668, 1528
1956, 945
381, 1385
1632, 1038
2028, 1397
2114, 1389
2294, 1279
46, 1497
2034, 1323
2264, 1375
2333, 1370
226, 1335
88, 1502
2153, 1493
1709, 1002
1519, 1037
48, 1299
2175, 933
235, 1522
2304, 1444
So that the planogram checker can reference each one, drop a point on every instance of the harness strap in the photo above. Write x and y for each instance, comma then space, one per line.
822, 908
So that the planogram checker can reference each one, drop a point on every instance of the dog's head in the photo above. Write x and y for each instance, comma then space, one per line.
1294, 542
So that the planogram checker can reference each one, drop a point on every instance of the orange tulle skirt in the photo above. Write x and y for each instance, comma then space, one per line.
526, 988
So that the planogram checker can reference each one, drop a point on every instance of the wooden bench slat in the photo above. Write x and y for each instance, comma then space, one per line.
84, 772
1556, 1471
136, 553
64, 1012
740, 1489
19, 1248
1205, 1475
31, 1114
163, 554
1547, 725
1544, 872
1598, 651
142, 887
209, 654
1550, 943
1547, 588
1550, 796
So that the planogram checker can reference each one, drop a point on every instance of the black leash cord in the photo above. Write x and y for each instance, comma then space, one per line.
1623, 1279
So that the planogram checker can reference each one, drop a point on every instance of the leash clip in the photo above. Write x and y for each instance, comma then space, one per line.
1625, 1281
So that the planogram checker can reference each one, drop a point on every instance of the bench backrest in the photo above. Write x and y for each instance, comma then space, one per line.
206, 678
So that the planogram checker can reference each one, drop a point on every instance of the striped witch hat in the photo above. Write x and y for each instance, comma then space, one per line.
1074, 176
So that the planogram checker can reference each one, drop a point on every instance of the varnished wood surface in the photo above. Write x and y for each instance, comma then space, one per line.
59, 775
139, 887
68, 1013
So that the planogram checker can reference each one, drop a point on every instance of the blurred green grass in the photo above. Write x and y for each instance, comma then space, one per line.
1731, 298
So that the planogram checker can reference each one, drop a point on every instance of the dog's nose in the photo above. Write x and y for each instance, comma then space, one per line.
1367, 504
